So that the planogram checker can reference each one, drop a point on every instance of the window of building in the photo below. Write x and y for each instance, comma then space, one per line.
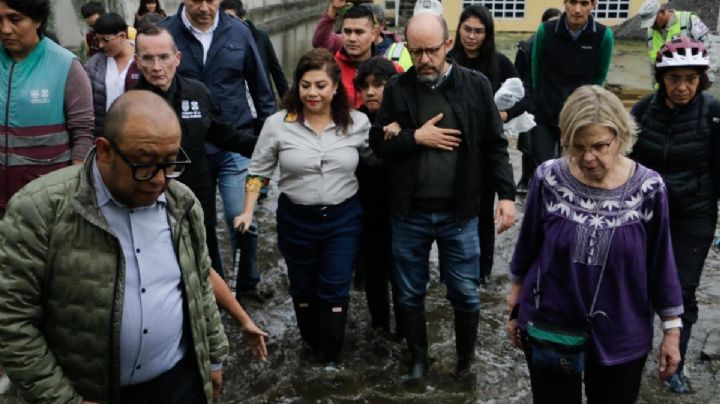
507, 9
612, 9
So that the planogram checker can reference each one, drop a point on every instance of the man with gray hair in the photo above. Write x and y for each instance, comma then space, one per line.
451, 132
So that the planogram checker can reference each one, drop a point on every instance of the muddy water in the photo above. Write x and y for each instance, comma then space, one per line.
372, 362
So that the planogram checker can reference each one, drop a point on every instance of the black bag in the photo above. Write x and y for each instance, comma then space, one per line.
557, 349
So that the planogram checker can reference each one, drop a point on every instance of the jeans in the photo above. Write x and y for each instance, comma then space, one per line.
319, 244
618, 384
228, 171
459, 253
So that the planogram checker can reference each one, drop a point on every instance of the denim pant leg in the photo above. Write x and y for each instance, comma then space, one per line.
301, 252
337, 258
230, 170
412, 238
459, 253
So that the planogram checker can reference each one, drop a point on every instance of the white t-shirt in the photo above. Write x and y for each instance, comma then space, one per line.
114, 81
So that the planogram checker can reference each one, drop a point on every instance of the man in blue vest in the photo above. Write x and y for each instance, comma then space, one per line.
219, 51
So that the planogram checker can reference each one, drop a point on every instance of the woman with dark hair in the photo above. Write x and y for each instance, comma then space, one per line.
316, 142
678, 138
148, 6
475, 49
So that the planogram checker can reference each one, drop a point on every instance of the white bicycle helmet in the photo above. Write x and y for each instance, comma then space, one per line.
682, 52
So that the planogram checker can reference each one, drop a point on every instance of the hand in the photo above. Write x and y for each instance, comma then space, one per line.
335, 7
669, 353
503, 116
504, 215
430, 135
244, 219
217, 382
255, 338
391, 130
513, 332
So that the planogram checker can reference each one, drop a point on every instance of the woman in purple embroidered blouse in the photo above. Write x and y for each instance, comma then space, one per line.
592, 205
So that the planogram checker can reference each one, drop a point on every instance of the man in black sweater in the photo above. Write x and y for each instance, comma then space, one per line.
451, 131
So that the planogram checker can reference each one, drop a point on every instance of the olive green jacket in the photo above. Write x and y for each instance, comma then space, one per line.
62, 278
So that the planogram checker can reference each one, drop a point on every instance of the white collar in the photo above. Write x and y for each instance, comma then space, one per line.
192, 28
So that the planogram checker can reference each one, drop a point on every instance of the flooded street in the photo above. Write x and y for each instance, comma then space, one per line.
372, 362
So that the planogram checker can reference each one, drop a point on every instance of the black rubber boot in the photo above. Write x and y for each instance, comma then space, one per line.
306, 314
413, 321
331, 331
466, 324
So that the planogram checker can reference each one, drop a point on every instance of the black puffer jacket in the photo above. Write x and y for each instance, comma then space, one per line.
483, 145
682, 145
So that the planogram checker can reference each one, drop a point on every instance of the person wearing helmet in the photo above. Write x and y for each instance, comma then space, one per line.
663, 24
677, 128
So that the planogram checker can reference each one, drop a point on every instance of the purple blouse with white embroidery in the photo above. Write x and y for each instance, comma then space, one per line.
566, 233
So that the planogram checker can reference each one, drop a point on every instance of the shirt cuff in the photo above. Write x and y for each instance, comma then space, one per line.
216, 366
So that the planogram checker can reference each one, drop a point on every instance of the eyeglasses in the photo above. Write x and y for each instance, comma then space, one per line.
147, 171
149, 60
470, 30
417, 53
676, 80
106, 39
597, 149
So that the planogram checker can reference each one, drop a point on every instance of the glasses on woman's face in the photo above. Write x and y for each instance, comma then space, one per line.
676, 79
598, 149
106, 38
148, 171
433, 52
470, 30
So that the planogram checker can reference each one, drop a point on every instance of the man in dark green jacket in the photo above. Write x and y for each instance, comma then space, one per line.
104, 273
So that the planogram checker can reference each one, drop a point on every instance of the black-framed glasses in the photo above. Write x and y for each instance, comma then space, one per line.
597, 149
147, 171
417, 53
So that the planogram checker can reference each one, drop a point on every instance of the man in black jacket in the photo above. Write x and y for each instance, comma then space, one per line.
158, 58
451, 131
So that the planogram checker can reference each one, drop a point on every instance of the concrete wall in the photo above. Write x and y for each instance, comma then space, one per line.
290, 23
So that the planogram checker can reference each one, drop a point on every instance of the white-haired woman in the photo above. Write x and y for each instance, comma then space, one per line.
593, 262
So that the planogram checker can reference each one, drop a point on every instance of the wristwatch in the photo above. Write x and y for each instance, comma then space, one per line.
670, 324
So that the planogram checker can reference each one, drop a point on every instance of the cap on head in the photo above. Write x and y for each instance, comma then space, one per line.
377, 10
428, 6
648, 12
682, 52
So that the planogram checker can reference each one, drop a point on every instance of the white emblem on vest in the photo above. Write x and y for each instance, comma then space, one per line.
190, 110
40, 96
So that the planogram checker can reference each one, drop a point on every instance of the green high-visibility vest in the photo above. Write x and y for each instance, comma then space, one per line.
680, 27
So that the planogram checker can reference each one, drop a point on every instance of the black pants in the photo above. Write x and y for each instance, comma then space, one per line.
486, 230
619, 384
180, 385
544, 143
524, 146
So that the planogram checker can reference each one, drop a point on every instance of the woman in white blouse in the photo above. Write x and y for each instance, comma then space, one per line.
316, 141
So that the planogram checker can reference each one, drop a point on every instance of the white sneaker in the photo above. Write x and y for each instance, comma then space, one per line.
4, 384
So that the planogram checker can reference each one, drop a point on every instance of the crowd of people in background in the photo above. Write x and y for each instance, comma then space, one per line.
382, 143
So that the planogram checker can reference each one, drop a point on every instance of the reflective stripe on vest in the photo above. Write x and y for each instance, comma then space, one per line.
17, 160
53, 136
395, 51
681, 27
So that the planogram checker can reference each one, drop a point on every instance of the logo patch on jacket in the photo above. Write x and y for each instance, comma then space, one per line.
40, 96
190, 110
